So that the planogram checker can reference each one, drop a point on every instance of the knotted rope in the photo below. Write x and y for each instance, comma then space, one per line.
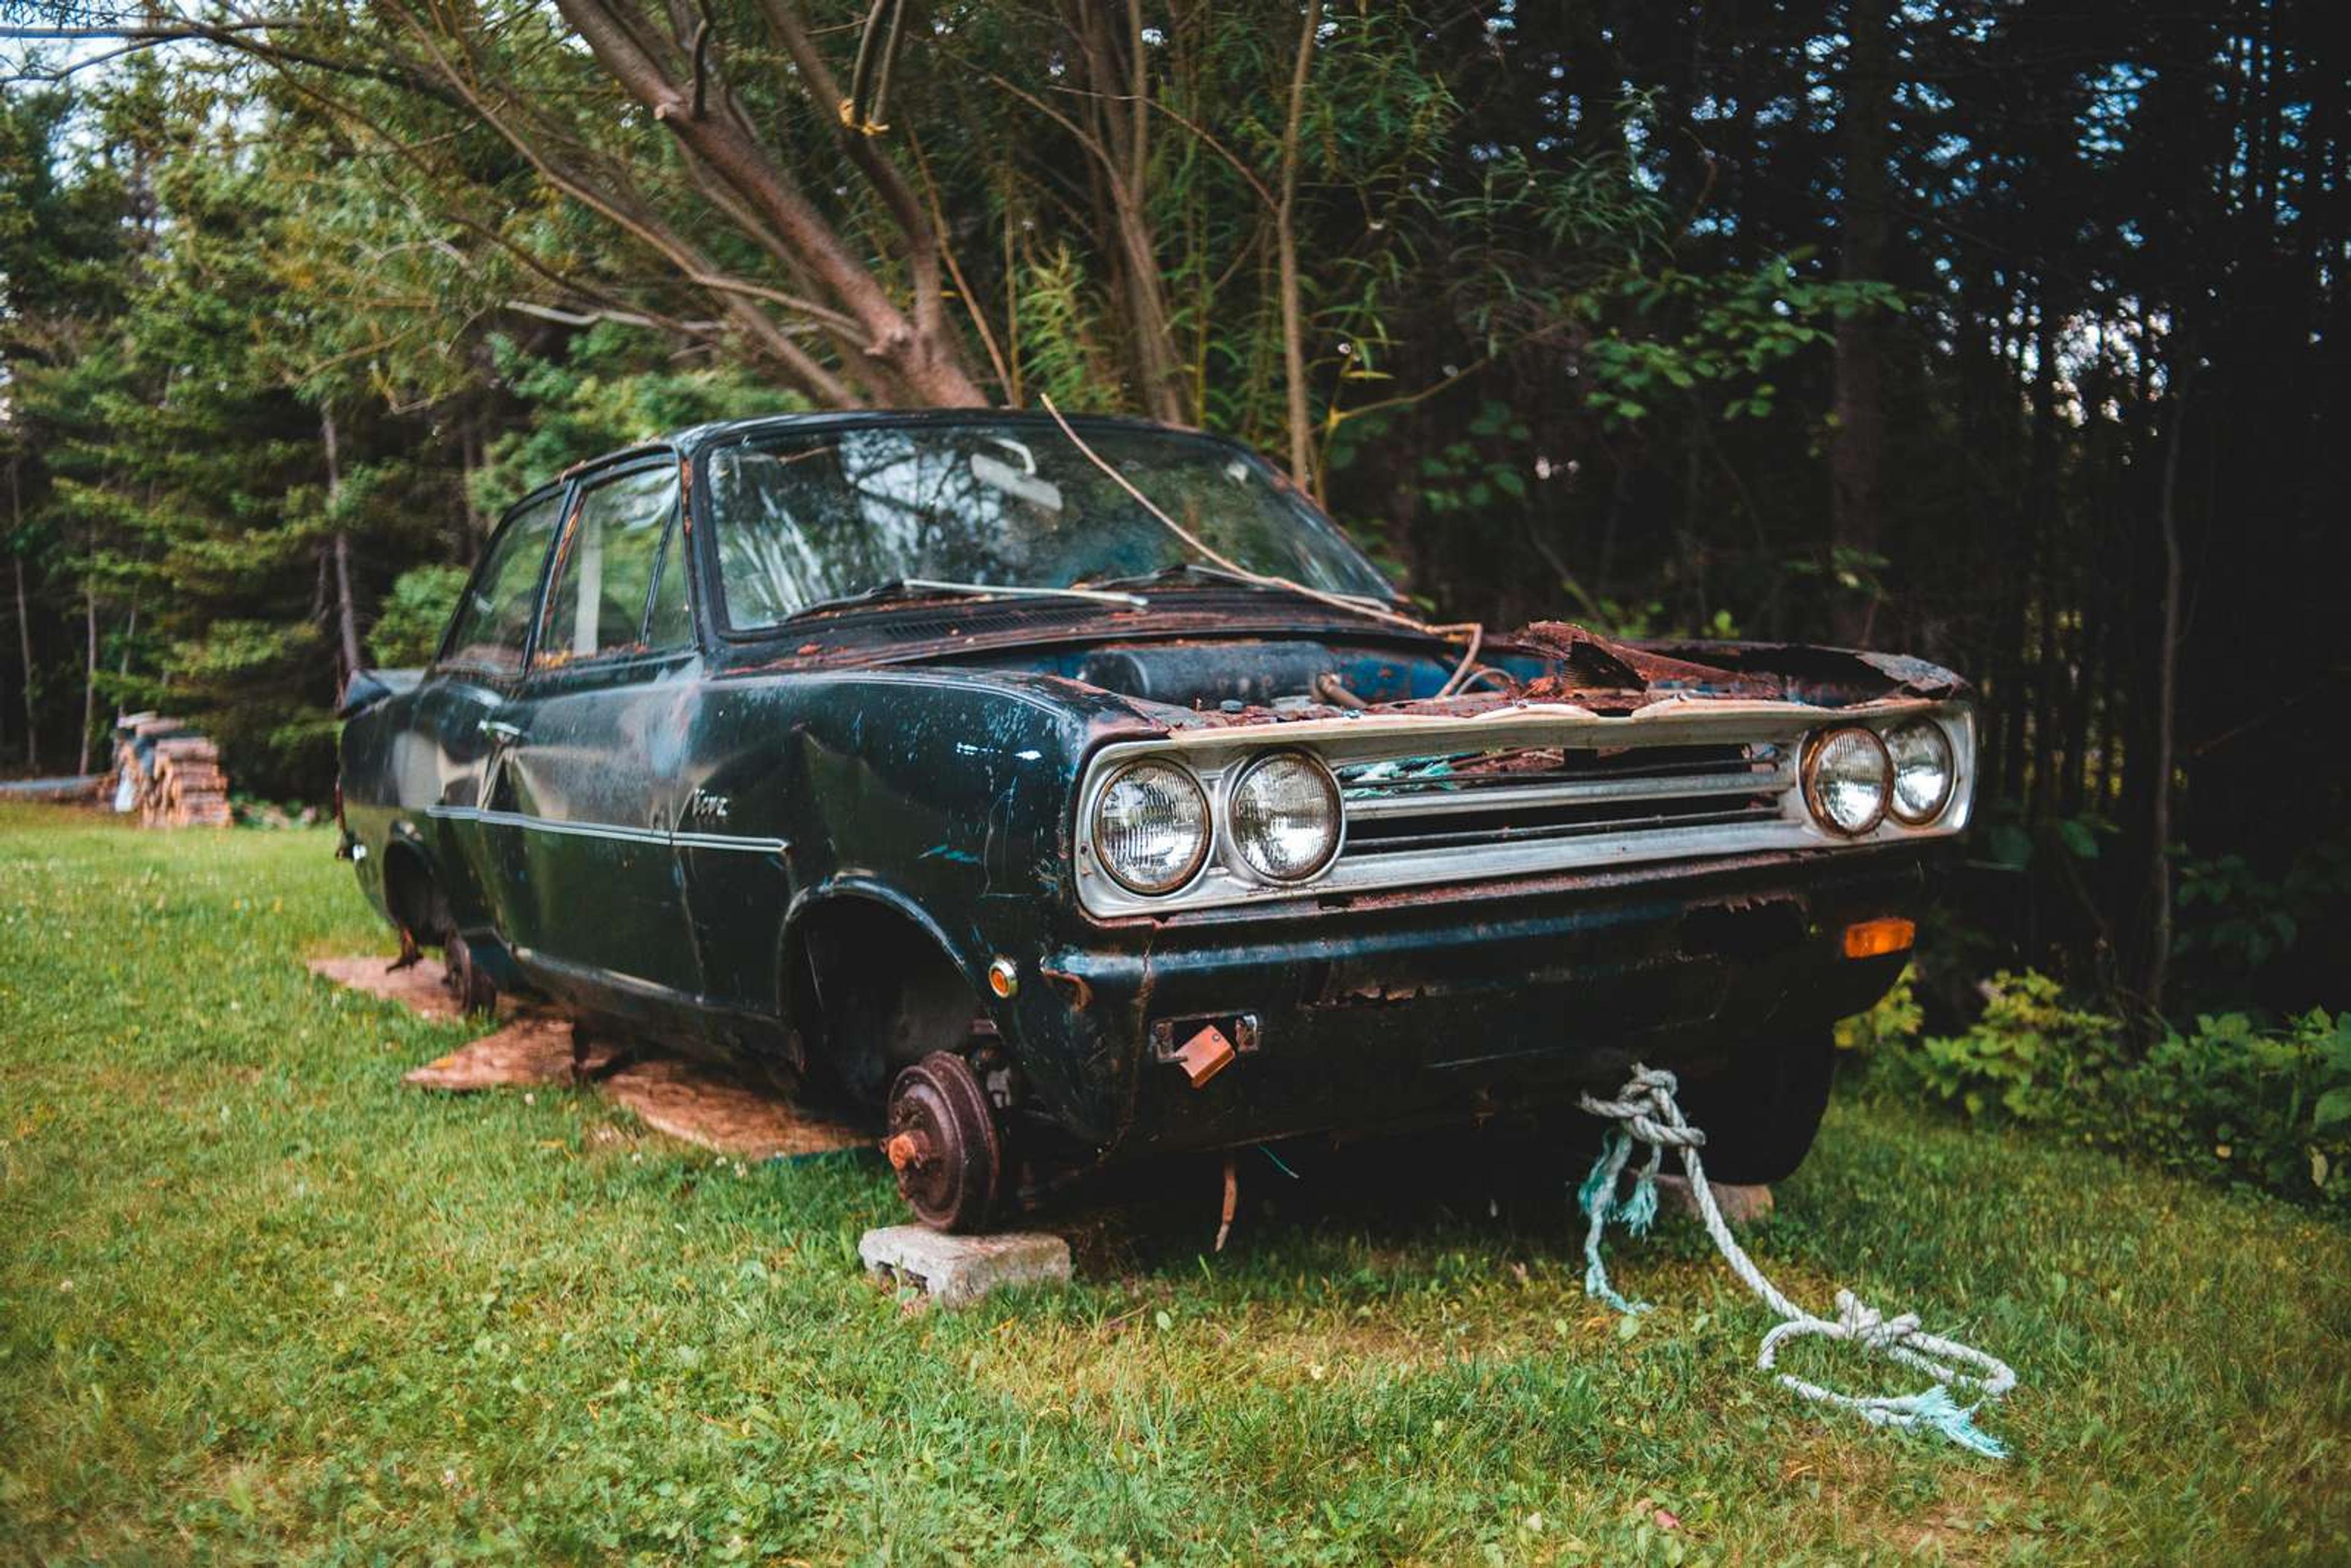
1644, 1110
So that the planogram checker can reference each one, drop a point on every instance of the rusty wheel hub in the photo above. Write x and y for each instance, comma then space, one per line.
943, 1143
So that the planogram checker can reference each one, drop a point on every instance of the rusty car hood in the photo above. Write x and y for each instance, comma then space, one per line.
1054, 653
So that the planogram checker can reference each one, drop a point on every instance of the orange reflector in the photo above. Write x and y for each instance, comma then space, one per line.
1876, 938
1004, 978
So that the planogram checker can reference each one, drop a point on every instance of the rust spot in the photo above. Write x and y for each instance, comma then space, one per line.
1334, 690
1081, 995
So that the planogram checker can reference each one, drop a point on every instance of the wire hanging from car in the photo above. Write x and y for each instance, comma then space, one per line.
1474, 631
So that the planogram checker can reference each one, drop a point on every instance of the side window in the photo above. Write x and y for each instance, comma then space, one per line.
670, 625
493, 620
604, 567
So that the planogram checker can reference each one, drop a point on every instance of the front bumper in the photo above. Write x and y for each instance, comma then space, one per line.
1449, 1005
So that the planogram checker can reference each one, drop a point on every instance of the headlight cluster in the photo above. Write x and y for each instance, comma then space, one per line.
1855, 778
1151, 827
1153, 823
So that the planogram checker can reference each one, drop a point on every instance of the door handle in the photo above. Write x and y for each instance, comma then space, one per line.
500, 729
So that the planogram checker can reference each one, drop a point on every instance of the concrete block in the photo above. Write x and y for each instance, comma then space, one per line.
957, 1270
1739, 1204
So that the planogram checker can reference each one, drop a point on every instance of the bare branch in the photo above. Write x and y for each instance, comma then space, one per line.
590, 318
240, 37
914, 225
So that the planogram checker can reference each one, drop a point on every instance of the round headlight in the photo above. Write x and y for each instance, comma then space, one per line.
1848, 780
1285, 816
1923, 772
1151, 827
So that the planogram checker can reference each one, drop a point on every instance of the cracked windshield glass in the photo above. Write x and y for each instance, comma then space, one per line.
808, 517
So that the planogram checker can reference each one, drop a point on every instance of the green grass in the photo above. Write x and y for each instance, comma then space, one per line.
260, 1303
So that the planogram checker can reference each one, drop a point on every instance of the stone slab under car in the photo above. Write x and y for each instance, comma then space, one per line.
1740, 1205
955, 1271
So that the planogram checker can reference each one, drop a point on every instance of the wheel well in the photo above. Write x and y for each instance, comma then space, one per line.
871, 991
412, 895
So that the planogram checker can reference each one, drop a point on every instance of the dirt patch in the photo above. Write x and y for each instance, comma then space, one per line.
530, 1052
689, 1101
417, 987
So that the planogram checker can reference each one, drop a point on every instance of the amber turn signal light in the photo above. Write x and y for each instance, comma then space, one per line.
1876, 938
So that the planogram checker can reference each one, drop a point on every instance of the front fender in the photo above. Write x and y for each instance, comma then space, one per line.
946, 795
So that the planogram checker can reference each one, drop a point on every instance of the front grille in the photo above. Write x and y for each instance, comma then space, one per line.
1458, 800
1433, 800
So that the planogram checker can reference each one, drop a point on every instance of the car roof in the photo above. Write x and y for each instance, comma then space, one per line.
696, 439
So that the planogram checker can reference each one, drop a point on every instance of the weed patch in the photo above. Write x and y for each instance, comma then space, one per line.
261, 1304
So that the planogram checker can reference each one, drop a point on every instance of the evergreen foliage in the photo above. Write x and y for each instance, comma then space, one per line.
2003, 333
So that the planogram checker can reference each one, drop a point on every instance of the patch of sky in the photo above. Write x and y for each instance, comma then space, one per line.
2113, 101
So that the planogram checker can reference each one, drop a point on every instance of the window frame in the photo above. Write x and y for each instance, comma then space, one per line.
711, 609
676, 546
560, 490
637, 460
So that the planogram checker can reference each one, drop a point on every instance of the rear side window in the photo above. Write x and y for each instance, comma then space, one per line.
604, 570
493, 620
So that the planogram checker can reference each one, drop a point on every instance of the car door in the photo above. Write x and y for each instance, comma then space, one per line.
445, 764
589, 773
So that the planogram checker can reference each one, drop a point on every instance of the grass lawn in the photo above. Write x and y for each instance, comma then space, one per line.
260, 1303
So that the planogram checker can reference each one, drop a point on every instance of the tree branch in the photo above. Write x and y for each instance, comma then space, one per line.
1293, 326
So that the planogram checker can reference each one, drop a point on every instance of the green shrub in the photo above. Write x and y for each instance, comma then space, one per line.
1891, 1025
2234, 1102
2029, 1053
2229, 1100
408, 633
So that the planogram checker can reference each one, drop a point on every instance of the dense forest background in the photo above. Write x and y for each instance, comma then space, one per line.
2000, 331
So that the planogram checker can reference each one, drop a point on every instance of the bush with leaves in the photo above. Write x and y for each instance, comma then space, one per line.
1891, 1025
408, 631
2030, 1054
2228, 1100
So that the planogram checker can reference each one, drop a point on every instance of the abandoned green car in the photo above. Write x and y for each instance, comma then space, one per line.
1071, 791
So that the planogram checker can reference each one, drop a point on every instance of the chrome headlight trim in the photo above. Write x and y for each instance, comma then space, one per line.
1941, 739
1818, 744
1207, 832
1228, 821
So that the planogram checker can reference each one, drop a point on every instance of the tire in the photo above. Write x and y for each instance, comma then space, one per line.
1761, 1114
476, 992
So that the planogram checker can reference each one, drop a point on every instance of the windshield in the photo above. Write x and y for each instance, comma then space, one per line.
803, 517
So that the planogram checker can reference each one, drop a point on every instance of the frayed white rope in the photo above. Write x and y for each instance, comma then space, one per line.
1644, 1110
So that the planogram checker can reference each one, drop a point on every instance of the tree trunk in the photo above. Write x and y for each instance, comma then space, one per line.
1293, 325
2048, 517
1855, 451
2159, 890
1116, 61
24, 645
345, 616
24, 627
90, 664
914, 351
470, 459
